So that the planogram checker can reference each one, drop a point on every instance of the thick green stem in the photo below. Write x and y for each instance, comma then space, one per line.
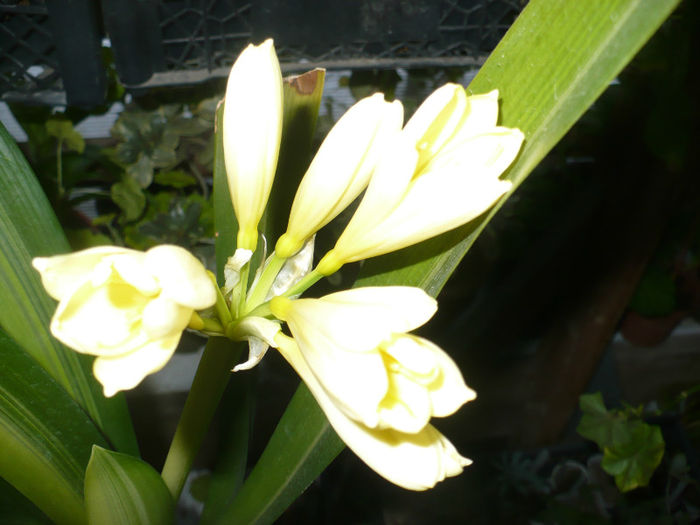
220, 355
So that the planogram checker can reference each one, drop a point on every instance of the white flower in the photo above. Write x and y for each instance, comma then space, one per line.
126, 307
378, 385
341, 168
252, 130
441, 171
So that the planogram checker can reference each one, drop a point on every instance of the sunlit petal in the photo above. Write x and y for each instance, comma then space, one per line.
181, 276
125, 371
61, 274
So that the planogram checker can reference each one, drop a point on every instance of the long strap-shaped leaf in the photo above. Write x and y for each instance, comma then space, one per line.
28, 228
45, 437
556, 59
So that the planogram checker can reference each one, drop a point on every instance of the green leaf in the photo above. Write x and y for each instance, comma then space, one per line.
128, 195
633, 460
631, 448
63, 130
45, 437
124, 490
28, 228
175, 179
597, 424
227, 477
140, 171
302, 446
555, 60
302, 99
225, 222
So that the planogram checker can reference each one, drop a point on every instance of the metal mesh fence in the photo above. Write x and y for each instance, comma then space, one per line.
27, 50
205, 36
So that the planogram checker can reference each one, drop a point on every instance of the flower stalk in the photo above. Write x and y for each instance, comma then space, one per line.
213, 372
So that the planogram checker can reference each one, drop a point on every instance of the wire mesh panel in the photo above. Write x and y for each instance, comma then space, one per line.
186, 41
50, 48
208, 34
28, 61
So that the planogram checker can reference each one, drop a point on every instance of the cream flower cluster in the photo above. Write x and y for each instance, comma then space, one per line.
378, 385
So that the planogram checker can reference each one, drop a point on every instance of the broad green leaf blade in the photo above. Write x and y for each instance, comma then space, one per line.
124, 490
28, 228
556, 59
45, 437
301, 447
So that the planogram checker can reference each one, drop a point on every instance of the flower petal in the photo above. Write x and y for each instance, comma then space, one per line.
406, 406
387, 187
341, 168
131, 267
100, 321
123, 372
429, 365
361, 318
481, 115
436, 120
61, 274
412, 461
483, 156
181, 276
163, 317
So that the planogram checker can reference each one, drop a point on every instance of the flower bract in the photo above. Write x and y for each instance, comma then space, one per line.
126, 307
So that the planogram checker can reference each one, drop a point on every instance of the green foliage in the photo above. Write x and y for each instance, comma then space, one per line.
632, 448
44, 435
128, 195
63, 130
123, 490
28, 228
